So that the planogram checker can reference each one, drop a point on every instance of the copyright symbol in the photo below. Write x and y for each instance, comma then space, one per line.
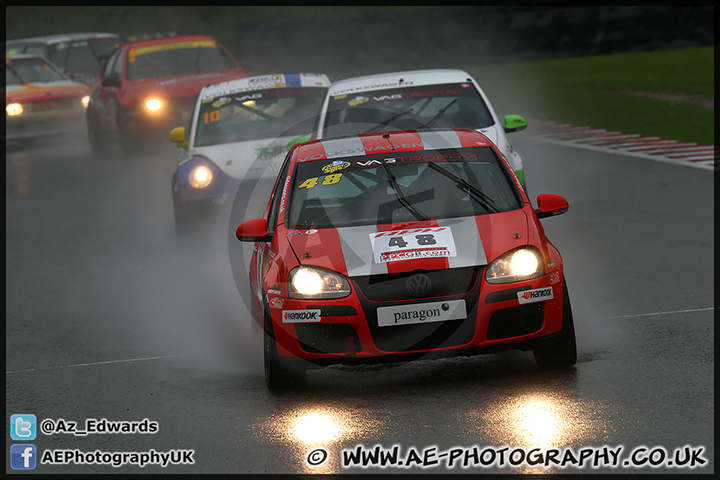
47, 426
317, 457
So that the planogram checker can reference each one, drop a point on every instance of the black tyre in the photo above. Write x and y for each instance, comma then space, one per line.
280, 373
564, 352
96, 137
131, 142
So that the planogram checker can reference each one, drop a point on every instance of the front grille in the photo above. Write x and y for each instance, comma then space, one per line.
57, 104
394, 286
451, 284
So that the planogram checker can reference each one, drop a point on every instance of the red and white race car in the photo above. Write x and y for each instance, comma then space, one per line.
41, 100
402, 245
148, 87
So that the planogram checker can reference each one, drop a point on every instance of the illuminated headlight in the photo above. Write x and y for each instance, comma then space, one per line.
153, 104
521, 264
14, 109
309, 282
85, 100
200, 177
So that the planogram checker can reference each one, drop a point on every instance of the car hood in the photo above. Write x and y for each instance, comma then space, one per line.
237, 160
29, 92
181, 85
358, 251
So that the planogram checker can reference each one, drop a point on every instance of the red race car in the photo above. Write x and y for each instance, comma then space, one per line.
401, 245
40, 100
148, 87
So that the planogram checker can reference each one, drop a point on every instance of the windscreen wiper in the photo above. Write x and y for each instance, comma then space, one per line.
401, 198
460, 183
440, 113
388, 120
256, 111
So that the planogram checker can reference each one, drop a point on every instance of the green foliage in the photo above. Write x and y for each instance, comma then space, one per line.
595, 91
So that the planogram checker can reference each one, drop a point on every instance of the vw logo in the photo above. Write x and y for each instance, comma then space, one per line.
418, 284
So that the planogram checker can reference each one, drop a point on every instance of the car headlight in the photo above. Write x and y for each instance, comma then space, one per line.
154, 104
200, 177
85, 100
14, 109
521, 264
310, 282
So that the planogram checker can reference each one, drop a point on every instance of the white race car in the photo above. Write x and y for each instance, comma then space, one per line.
416, 100
240, 127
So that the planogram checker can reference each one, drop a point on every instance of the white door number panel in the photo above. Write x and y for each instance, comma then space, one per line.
414, 243
421, 313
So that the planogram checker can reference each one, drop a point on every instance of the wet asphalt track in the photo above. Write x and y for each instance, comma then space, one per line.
108, 317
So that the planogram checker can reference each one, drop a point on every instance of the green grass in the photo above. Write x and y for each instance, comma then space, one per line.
588, 91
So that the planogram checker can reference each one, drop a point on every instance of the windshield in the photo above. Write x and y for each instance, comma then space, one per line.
454, 105
30, 70
410, 186
82, 56
169, 59
258, 115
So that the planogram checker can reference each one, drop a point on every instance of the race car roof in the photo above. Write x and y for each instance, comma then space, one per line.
63, 38
389, 143
399, 79
263, 82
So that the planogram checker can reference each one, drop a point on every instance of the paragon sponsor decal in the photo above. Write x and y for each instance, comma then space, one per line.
301, 316
412, 244
535, 295
421, 313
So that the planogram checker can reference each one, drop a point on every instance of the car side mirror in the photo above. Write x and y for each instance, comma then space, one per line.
550, 204
112, 80
177, 136
295, 141
514, 123
254, 230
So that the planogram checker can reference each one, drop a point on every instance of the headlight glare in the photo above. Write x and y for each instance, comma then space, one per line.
521, 264
153, 104
200, 177
14, 109
309, 282
85, 100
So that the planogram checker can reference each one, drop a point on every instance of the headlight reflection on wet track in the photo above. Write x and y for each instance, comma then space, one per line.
541, 420
309, 428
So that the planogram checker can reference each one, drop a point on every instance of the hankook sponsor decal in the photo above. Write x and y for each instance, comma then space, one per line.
300, 316
535, 295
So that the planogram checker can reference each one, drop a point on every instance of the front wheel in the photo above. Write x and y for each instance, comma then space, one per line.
280, 373
564, 352
96, 137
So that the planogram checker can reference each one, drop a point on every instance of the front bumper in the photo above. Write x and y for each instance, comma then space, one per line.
205, 203
143, 122
41, 122
349, 333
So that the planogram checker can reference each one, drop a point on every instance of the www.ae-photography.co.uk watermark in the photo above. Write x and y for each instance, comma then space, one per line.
462, 458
